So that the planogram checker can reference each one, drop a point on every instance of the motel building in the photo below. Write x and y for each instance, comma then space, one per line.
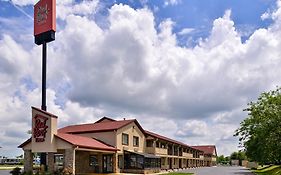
108, 146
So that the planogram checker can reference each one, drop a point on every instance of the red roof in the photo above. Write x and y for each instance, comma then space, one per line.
95, 127
163, 138
167, 139
24, 143
85, 142
208, 149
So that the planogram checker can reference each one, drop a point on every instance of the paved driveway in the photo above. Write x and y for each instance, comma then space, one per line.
5, 172
220, 170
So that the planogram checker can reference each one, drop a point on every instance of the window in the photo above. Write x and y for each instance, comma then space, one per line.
152, 163
149, 143
157, 144
133, 161
162, 160
58, 160
136, 141
120, 161
93, 161
125, 139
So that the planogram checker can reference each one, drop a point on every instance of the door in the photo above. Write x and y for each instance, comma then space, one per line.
170, 163
180, 165
107, 164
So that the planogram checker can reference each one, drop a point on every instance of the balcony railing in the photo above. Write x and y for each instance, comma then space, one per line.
154, 150
163, 151
187, 155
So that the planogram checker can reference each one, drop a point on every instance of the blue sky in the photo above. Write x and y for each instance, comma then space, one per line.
194, 14
189, 65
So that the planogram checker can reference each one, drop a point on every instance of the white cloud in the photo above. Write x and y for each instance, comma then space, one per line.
186, 31
265, 16
171, 2
193, 128
22, 2
69, 7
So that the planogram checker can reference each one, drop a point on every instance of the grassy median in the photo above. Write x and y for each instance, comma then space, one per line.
9, 167
174, 173
270, 170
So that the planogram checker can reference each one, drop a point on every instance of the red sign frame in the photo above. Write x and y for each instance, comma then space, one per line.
44, 16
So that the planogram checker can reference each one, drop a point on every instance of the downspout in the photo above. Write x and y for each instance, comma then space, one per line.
74, 159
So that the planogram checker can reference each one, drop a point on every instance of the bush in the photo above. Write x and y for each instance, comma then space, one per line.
27, 173
58, 172
16, 171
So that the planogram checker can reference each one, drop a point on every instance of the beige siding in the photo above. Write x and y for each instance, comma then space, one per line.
27, 146
132, 130
61, 144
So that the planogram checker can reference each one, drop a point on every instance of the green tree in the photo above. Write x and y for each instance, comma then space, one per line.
234, 156
220, 159
227, 159
260, 133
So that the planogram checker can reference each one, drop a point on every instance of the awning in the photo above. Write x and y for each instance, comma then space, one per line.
146, 155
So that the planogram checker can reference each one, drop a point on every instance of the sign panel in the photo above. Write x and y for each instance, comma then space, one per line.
44, 128
44, 16
40, 128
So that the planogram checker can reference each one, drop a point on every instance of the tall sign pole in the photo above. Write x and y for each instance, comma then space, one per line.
44, 76
44, 32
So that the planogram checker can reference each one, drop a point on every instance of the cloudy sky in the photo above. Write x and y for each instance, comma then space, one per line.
184, 69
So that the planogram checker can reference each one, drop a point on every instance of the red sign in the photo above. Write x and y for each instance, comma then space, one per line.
44, 16
40, 128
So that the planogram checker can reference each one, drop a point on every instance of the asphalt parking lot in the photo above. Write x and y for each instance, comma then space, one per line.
220, 170
5, 172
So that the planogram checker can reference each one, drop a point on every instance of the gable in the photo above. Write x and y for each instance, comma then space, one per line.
105, 119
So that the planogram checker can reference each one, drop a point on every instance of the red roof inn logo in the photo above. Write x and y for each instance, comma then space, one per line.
40, 128
44, 16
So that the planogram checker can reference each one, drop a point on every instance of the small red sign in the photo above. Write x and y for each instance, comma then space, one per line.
44, 16
40, 128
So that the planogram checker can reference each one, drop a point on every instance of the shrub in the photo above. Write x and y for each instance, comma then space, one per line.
16, 171
27, 173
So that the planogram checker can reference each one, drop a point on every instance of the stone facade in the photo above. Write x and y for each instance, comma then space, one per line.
115, 163
69, 163
28, 161
51, 162
82, 162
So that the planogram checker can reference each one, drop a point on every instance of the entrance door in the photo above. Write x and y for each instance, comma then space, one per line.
170, 163
180, 165
107, 164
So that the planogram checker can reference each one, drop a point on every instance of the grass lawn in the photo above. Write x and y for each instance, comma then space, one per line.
174, 173
9, 167
271, 170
